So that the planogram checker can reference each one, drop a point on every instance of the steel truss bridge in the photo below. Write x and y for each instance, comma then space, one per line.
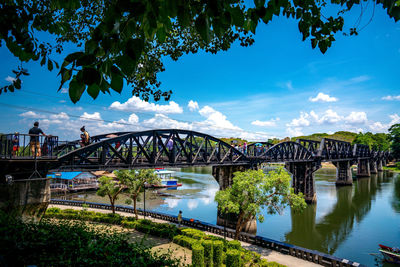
180, 148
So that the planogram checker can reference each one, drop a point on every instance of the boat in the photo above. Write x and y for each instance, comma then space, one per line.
391, 254
167, 181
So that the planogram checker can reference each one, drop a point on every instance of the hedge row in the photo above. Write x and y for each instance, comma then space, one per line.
142, 225
221, 248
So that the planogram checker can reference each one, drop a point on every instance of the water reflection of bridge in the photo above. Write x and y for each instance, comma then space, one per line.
352, 205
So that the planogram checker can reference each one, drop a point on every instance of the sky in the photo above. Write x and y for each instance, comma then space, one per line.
277, 87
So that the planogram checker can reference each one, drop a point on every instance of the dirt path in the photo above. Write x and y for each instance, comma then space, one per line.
163, 245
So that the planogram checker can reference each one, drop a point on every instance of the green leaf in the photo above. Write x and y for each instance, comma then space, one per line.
116, 80
49, 65
203, 28
86, 60
43, 61
90, 46
134, 48
91, 76
76, 90
314, 42
126, 65
93, 90
73, 57
238, 17
161, 34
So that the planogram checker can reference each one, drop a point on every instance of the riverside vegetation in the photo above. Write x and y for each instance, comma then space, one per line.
207, 250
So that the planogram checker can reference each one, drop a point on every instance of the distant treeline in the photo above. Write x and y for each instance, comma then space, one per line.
378, 141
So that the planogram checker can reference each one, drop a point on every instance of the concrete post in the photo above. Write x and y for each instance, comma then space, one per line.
363, 169
343, 173
380, 165
224, 174
303, 179
27, 199
373, 166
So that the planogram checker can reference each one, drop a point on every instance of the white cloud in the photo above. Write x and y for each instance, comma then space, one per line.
329, 117
391, 97
32, 115
136, 104
216, 118
321, 97
62, 101
360, 79
60, 116
90, 117
161, 121
268, 123
64, 90
193, 105
172, 202
356, 118
10, 79
302, 121
292, 132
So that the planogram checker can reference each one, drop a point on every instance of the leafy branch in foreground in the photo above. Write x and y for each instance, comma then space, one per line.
124, 42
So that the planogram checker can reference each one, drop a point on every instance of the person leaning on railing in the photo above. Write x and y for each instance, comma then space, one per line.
34, 133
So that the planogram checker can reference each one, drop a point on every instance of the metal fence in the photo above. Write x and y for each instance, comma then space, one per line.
27, 146
284, 248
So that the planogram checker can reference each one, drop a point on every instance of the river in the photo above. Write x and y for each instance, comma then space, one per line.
348, 222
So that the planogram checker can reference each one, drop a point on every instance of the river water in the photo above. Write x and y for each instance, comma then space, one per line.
348, 222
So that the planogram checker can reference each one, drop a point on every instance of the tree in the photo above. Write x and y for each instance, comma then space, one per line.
377, 142
252, 191
111, 188
394, 133
126, 40
135, 180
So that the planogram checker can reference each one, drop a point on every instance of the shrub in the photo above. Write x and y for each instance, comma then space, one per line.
197, 255
218, 250
193, 233
70, 243
53, 210
208, 253
184, 241
233, 258
234, 244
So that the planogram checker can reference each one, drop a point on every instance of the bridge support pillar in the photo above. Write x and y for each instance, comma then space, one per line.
224, 174
303, 179
27, 199
373, 166
343, 173
379, 165
363, 169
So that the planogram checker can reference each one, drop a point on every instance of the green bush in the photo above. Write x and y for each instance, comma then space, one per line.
234, 244
197, 255
233, 258
53, 210
218, 250
208, 253
184, 241
193, 233
70, 243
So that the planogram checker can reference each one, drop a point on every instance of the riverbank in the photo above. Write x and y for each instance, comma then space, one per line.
267, 254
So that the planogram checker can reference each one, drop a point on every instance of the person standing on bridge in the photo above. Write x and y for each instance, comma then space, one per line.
34, 133
85, 138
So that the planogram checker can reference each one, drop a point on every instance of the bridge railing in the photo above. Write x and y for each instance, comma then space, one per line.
18, 145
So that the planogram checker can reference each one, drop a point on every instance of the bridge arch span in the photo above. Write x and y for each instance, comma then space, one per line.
287, 152
153, 148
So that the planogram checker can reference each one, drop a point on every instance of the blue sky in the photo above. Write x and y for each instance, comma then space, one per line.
276, 88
